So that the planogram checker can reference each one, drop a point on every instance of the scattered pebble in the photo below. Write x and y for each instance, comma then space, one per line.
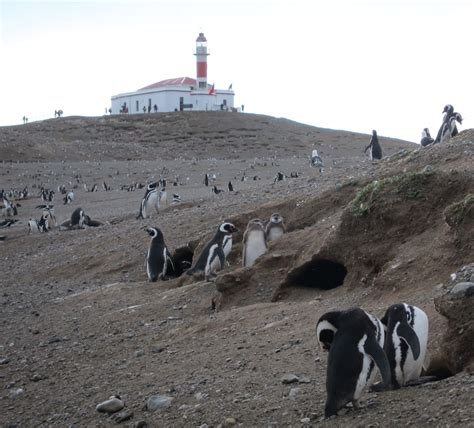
289, 378
112, 405
158, 402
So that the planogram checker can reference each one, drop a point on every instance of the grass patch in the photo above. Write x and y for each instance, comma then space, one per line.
409, 185
457, 212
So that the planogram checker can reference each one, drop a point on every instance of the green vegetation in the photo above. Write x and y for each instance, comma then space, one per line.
409, 185
457, 212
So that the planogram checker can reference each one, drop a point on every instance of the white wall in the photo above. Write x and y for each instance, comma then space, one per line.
167, 99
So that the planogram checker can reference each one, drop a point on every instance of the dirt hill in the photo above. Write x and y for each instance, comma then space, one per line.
80, 321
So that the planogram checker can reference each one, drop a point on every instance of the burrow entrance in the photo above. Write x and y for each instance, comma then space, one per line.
321, 273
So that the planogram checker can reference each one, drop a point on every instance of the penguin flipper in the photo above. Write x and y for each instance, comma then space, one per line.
409, 336
221, 255
375, 352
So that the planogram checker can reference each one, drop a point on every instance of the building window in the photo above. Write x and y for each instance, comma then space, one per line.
137, 105
224, 102
202, 85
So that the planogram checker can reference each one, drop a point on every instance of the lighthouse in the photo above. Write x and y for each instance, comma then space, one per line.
178, 93
201, 62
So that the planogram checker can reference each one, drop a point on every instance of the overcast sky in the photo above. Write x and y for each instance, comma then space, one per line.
341, 64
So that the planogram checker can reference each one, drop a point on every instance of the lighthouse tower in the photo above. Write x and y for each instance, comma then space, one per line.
201, 62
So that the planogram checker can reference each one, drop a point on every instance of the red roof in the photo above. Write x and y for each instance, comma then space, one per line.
178, 81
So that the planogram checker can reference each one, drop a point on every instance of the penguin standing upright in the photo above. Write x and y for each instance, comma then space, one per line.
254, 242
426, 139
206, 180
355, 342
49, 210
158, 259
448, 111
405, 343
212, 256
150, 201
78, 219
68, 198
275, 227
230, 187
449, 127
316, 160
374, 146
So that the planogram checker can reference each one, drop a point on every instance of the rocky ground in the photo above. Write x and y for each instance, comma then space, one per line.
80, 322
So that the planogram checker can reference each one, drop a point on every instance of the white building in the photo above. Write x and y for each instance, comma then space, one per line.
182, 93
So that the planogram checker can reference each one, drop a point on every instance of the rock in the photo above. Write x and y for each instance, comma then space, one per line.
294, 393
17, 392
36, 377
4, 361
122, 416
158, 402
305, 421
229, 422
289, 378
112, 405
304, 379
138, 424
463, 289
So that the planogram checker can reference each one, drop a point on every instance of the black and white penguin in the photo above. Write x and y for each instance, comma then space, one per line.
230, 186
354, 339
449, 127
316, 160
212, 256
206, 180
163, 197
78, 219
275, 227
448, 111
158, 259
278, 177
216, 190
176, 199
254, 242
41, 225
7, 223
150, 201
49, 210
426, 139
68, 198
374, 146
405, 342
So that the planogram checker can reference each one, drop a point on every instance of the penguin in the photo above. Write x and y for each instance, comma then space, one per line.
254, 242
182, 259
150, 201
78, 219
206, 180
448, 111
7, 223
41, 225
176, 199
405, 343
68, 198
212, 256
354, 339
316, 160
49, 209
426, 139
374, 146
278, 177
158, 259
216, 190
275, 227
105, 186
449, 127
230, 187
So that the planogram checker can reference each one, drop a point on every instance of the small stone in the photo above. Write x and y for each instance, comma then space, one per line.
139, 353
36, 377
229, 422
463, 288
304, 379
158, 402
138, 424
294, 393
305, 421
17, 392
289, 378
112, 405
4, 361
122, 416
